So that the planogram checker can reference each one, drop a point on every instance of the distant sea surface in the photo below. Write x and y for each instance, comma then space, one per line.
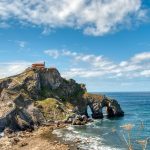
106, 134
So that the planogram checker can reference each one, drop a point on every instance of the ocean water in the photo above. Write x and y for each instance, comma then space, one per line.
107, 134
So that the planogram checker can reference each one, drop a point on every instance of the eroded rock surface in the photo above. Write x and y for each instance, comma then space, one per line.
37, 95
98, 102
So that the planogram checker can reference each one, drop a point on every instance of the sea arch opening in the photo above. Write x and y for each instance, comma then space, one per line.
89, 111
99, 111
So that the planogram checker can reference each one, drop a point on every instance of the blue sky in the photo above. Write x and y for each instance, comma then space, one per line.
102, 43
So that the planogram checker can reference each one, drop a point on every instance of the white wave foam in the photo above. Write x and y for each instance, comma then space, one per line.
70, 128
57, 132
84, 140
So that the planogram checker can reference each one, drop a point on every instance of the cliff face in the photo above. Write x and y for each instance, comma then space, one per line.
26, 96
39, 84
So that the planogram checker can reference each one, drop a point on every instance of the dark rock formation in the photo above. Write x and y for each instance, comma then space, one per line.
22, 116
98, 102
23, 91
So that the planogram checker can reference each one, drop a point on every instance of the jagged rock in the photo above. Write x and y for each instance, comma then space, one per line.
14, 140
5, 83
80, 120
85, 118
115, 109
23, 143
97, 103
70, 118
8, 131
63, 96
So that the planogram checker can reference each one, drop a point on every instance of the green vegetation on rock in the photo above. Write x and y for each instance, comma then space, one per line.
52, 109
55, 98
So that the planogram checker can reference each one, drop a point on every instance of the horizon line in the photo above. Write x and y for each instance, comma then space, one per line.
117, 91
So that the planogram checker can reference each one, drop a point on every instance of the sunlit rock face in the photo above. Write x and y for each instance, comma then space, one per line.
23, 90
38, 83
19, 93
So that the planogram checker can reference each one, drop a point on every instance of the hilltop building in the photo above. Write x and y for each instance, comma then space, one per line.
39, 65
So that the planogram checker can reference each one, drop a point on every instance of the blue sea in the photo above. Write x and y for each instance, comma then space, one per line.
107, 134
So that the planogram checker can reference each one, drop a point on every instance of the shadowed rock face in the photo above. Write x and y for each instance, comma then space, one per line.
40, 83
22, 116
98, 102
25, 89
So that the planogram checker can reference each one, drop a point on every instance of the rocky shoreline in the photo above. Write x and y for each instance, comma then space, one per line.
40, 139
40, 99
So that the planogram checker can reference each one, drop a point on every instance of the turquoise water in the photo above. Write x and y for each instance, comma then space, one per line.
106, 134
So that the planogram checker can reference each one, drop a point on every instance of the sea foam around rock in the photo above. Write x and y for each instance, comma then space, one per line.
84, 140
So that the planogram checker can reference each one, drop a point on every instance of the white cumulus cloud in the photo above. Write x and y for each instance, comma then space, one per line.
94, 17
90, 65
53, 53
12, 68
141, 57
146, 73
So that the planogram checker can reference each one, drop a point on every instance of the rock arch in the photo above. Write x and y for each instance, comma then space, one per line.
97, 103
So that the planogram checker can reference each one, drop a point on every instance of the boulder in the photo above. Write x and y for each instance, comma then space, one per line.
80, 120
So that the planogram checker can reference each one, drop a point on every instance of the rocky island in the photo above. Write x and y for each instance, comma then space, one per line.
39, 96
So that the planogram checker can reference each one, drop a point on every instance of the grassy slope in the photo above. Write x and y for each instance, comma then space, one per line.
53, 109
